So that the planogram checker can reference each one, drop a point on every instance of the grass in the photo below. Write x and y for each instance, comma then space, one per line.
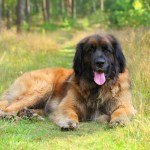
21, 53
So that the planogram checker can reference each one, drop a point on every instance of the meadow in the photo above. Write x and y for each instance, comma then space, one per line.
26, 52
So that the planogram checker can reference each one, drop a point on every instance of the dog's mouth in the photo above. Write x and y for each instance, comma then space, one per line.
99, 77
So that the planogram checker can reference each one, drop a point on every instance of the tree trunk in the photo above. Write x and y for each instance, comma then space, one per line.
73, 9
81, 7
36, 6
27, 11
68, 7
62, 8
8, 17
102, 5
48, 9
0, 15
44, 10
94, 5
3, 9
20, 14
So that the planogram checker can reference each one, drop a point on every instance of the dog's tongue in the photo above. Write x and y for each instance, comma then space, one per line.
99, 78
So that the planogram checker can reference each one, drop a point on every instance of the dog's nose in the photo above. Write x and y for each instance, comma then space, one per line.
99, 63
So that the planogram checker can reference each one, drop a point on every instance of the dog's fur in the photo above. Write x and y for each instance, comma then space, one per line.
70, 96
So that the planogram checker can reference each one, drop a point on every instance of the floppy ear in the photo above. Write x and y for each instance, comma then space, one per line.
77, 65
118, 53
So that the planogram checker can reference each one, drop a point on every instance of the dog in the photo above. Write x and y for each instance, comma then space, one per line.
97, 88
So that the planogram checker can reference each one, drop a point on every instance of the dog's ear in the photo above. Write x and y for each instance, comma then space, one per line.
118, 53
77, 64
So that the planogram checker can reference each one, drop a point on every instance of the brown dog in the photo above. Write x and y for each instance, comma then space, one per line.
97, 89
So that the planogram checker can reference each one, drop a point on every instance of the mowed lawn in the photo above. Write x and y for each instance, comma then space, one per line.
27, 52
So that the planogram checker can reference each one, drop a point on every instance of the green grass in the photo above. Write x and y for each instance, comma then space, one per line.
27, 52
45, 135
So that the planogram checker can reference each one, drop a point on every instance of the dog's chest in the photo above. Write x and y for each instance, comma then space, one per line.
94, 101
95, 97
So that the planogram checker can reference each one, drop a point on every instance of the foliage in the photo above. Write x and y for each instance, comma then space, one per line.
132, 13
118, 13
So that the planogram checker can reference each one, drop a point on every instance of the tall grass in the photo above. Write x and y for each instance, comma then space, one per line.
136, 46
20, 53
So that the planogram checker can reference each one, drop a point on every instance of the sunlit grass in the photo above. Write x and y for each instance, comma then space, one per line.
21, 53
45, 135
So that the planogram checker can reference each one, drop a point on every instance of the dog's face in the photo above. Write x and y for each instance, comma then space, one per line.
99, 58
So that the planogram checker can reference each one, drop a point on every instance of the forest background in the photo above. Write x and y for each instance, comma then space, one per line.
55, 14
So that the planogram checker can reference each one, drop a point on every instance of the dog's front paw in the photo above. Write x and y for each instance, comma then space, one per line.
25, 113
29, 114
69, 125
120, 121
65, 123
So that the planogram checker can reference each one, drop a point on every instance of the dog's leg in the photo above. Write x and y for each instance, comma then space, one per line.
120, 109
103, 118
3, 104
28, 90
39, 112
26, 101
67, 114
15, 106
31, 113
65, 117
24, 113
121, 116
21, 101
22, 94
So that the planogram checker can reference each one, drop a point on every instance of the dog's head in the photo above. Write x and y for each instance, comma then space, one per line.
98, 58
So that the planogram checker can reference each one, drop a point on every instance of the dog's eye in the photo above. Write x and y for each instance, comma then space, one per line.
107, 51
92, 48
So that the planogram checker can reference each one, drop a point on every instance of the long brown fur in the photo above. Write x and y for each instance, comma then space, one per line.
59, 94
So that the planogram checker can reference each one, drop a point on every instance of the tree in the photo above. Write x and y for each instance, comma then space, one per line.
36, 6
8, 17
46, 10
68, 7
20, 14
102, 5
0, 15
3, 8
27, 10
62, 6
73, 9
94, 5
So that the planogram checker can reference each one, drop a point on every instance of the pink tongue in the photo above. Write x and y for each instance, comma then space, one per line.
99, 78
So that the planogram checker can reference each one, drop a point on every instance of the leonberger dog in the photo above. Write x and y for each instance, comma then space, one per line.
97, 88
